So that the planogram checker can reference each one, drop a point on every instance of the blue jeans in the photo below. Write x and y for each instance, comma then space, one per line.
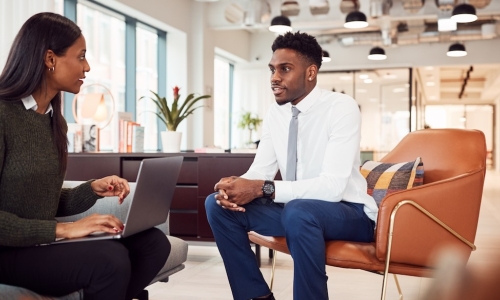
306, 224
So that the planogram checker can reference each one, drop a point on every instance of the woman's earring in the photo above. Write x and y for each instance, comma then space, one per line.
52, 69
310, 79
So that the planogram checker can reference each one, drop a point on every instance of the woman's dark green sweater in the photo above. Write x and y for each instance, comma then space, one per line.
30, 181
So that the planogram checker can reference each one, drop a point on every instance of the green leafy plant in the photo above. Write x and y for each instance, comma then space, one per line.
250, 123
172, 115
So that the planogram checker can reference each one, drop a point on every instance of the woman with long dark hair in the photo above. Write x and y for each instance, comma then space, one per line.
47, 57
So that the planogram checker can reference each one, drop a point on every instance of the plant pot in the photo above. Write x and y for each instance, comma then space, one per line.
171, 141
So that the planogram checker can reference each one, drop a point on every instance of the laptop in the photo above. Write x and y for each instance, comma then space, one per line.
150, 205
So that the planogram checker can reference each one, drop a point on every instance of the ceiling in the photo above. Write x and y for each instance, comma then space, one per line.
460, 84
391, 22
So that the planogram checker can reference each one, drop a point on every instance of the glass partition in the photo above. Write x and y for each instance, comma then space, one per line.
383, 96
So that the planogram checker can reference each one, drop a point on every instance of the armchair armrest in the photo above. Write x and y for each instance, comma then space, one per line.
454, 201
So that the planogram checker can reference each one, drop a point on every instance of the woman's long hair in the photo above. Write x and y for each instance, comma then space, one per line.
25, 69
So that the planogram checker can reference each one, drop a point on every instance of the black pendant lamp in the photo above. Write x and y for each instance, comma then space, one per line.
377, 53
326, 56
456, 50
355, 19
280, 25
464, 13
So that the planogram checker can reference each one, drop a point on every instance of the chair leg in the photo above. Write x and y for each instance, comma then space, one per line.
399, 287
272, 271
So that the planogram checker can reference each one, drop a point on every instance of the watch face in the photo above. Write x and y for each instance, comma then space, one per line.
268, 189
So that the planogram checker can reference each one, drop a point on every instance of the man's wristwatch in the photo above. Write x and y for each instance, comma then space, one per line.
268, 189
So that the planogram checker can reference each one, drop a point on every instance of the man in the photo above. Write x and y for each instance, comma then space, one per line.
323, 195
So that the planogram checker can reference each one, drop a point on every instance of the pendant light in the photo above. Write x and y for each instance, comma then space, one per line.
464, 13
326, 57
280, 25
456, 50
377, 53
355, 19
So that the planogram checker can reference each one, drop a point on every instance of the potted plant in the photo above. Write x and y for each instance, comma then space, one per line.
172, 115
250, 123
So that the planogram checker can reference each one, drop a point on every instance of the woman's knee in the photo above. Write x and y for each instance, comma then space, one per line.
110, 259
151, 242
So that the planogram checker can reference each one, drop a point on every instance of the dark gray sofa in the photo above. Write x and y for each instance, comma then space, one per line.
175, 262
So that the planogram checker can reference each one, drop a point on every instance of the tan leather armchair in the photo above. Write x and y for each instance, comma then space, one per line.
414, 223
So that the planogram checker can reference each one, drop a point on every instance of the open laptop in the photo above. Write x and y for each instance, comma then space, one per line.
150, 205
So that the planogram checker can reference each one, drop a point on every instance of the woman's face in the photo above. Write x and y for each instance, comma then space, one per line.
70, 68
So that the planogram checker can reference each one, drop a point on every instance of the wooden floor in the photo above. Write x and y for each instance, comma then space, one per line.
205, 278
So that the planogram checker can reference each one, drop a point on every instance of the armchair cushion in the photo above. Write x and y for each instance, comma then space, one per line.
386, 178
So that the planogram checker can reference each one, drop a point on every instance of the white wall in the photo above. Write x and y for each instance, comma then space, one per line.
236, 42
175, 13
13, 14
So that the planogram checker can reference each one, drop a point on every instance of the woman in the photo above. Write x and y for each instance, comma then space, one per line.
47, 57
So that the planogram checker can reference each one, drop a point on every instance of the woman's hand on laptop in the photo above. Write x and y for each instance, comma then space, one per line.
111, 186
88, 225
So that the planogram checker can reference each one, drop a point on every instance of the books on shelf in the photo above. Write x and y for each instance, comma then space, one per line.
119, 133
128, 135
137, 139
83, 138
75, 138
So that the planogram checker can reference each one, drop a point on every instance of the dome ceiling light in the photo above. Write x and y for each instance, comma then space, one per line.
280, 25
456, 50
355, 19
377, 53
326, 56
464, 13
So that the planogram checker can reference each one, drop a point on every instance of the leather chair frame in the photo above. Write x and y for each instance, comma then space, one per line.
445, 208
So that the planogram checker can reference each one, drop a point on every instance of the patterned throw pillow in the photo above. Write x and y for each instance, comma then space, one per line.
386, 178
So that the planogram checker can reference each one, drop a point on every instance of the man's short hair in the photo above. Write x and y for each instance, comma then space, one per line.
303, 43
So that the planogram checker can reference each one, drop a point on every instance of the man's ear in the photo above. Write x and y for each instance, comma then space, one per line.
312, 71
50, 59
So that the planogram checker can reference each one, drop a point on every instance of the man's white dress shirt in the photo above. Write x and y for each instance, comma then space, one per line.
328, 151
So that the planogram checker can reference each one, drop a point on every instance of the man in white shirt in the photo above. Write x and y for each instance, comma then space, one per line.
323, 195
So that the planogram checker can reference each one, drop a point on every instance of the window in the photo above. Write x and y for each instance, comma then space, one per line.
105, 36
222, 102
128, 75
147, 81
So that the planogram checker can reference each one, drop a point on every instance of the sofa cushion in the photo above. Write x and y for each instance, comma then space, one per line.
8, 292
386, 178
176, 259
